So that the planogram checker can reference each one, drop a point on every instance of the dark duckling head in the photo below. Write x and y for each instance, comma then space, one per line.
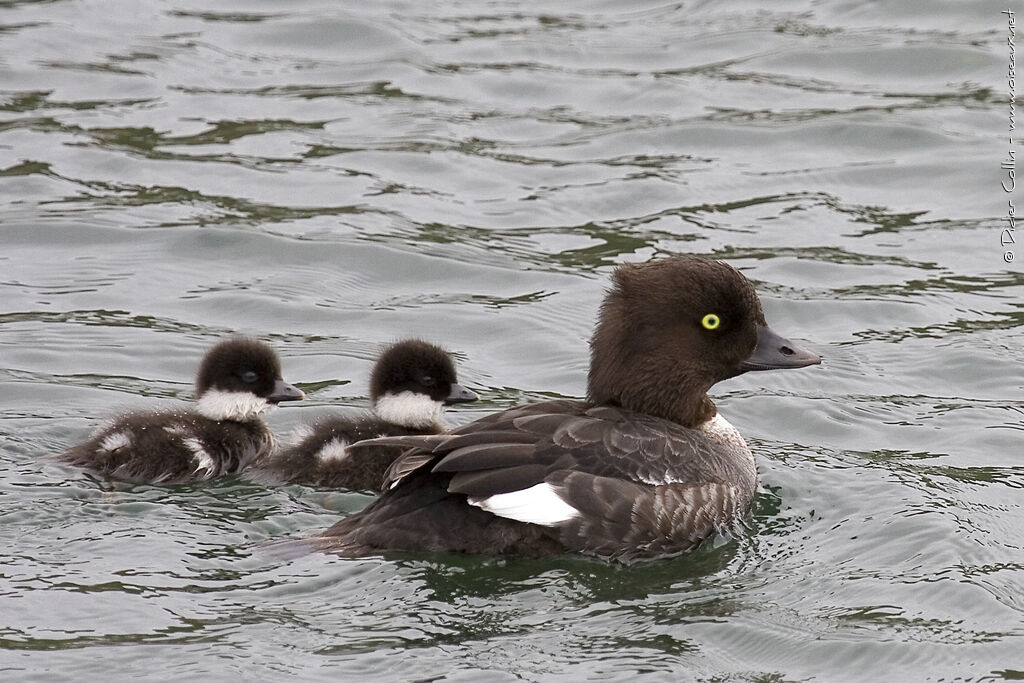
413, 381
239, 378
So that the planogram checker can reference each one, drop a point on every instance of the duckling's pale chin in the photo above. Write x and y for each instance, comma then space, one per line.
410, 409
237, 406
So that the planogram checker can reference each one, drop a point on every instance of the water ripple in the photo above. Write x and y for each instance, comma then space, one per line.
331, 177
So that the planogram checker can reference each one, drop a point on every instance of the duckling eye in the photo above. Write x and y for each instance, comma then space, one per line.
710, 321
249, 376
428, 380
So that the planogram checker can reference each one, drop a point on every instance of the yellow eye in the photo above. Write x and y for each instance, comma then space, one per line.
711, 321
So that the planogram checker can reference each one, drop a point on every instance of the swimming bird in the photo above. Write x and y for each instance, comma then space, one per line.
410, 385
644, 467
238, 380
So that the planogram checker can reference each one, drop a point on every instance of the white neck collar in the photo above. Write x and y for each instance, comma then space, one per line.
410, 409
237, 406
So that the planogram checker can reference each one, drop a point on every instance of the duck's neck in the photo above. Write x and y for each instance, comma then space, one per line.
658, 394
696, 413
691, 413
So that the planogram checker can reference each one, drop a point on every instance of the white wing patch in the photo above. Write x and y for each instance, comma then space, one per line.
658, 481
410, 409
334, 450
539, 504
115, 441
204, 461
237, 406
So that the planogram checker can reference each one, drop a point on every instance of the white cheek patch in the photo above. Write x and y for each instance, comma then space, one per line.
539, 504
237, 406
334, 450
116, 441
410, 409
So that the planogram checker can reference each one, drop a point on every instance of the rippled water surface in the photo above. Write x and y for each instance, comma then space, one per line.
331, 176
